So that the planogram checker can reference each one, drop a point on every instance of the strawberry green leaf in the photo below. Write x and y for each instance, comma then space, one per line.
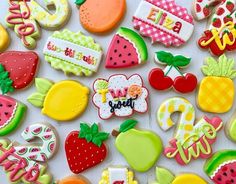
165, 57
94, 128
99, 138
127, 125
89, 137
181, 61
5, 81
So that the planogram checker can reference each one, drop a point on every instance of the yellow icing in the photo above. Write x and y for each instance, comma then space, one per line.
188, 179
4, 39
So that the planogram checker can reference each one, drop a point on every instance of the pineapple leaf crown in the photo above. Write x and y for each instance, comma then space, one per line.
224, 67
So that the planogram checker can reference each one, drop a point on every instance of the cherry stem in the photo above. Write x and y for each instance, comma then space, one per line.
166, 74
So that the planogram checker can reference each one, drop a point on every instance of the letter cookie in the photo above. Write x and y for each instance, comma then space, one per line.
218, 86
25, 16
120, 96
171, 76
133, 144
61, 101
85, 148
163, 21
27, 163
191, 140
73, 53
4, 39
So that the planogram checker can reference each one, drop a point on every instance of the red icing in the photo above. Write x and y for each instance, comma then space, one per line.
185, 84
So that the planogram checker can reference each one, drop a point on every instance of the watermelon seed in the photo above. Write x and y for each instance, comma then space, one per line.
115, 51
0, 105
225, 174
219, 179
123, 61
111, 58
129, 54
125, 47
231, 170
9, 105
6, 113
120, 55
118, 41
115, 63
132, 62
232, 181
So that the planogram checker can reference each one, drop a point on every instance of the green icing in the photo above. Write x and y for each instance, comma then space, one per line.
163, 176
221, 68
36, 99
136, 40
101, 84
127, 125
232, 130
79, 2
5, 81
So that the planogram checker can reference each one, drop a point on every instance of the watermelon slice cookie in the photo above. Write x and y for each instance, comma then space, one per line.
221, 167
11, 114
127, 49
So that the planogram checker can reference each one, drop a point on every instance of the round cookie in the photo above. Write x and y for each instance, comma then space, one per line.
99, 16
5, 39
73, 180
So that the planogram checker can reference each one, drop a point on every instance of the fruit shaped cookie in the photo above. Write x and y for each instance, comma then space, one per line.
17, 70
85, 148
171, 76
117, 175
62, 101
216, 90
29, 160
230, 128
221, 167
164, 176
4, 39
120, 96
99, 16
73, 53
25, 17
220, 34
133, 144
163, 21
126, 49
74, 179
191, 140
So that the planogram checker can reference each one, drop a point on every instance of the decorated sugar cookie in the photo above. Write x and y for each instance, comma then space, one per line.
217, 87
29, 160
4, 39
163, 21
126, 49
164, 176
25, 17
11, 114
120, 96
171, 76
117, 175
17, 69
99, 16
220, 34
85, 148
73, 180
133, 144
62, 101
191, 140
221, 167
73, 53
230, 129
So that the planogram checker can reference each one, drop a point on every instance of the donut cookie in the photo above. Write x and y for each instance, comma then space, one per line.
217, 87
133, 144
4, 39
73, 180
171, 76
29, 160
191, 141
17, 70
120, 96
126, 49
221, 167
99, 16
73, 53
163, 21
117, 175
11, 114
25, 17
164, 176
85, 148
62, 101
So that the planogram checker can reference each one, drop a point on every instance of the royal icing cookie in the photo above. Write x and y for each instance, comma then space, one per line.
85, 148
29, 160
230, 129
99, 16
25, 16
126, 49
133, 144
163, 21
73, 180
73, 53
191, 141
171, 76
62, 101
17, 69
220, 35
164, 176
11, 114
216, 90
120, 96
4, 39
117, 175
221, 167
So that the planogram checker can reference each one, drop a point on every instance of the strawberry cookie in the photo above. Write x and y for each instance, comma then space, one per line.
171, 76
163, 21
85, 148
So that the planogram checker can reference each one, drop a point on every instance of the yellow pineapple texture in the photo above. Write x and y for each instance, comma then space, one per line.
216, 91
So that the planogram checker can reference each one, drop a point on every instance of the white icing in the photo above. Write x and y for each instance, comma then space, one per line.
117, 174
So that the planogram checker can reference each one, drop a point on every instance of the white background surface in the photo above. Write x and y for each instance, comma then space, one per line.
58, 164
